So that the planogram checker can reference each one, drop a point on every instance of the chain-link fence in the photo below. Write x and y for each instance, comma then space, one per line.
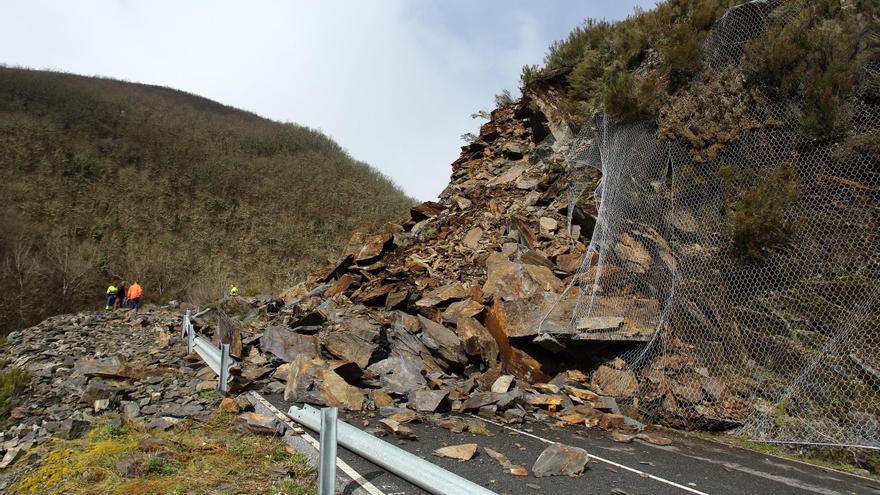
749, 263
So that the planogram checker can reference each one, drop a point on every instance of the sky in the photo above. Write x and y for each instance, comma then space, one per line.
394, 82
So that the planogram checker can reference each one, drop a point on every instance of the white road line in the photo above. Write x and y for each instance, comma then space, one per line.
348, 470
600, 459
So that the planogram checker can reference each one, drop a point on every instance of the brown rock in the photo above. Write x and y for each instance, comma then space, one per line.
532, 257
635, 255
616, 383
111, 367
337, 393
355, 342
454, 290
228, 405
508, 281
688, 389
502, 384
428, 209
545, 278
478, 400
569, 263
462, 309
472, 238
373, 247
505, 462
463, 452
609, 422
477, 340
258, 423
381, 399
340, 285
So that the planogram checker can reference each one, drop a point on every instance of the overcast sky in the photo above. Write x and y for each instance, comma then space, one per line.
393, 81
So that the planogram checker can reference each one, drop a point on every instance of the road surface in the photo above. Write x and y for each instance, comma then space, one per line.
688, 466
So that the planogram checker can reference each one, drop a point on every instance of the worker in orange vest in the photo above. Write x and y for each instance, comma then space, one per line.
134, 296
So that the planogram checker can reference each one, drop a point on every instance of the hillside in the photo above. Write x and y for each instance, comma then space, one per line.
103, 178
675, 224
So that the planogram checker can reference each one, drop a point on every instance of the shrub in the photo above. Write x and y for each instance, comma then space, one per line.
13, 381
758, 221
814, 52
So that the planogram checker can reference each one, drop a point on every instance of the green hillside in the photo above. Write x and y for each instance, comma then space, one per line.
104, 178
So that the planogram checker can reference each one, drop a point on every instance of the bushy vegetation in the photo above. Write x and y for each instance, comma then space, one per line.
758, 207
812, 50
13, 381
816, 51
103, 178
665, 44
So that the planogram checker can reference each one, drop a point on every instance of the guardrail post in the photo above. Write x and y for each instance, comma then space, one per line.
224, 368
327, 462
184, 325
190, 337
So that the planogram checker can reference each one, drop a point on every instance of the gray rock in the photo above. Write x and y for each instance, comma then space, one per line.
131, 410
559, 459
73, 428
427, 400
286, 344
443, 341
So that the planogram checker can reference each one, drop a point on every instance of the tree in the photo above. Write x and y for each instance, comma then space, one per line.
72, 263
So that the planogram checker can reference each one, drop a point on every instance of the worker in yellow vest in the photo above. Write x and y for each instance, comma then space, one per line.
233, 290
112, 293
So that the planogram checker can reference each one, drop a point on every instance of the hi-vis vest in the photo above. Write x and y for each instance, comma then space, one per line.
233, 291
112, 289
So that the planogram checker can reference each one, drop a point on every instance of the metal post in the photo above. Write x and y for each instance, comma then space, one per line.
327, 461
183, 327
224, 368
190, 337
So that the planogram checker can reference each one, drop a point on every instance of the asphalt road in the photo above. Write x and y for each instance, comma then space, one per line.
688, 466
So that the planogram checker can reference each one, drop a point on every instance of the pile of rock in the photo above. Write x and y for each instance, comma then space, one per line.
86, 365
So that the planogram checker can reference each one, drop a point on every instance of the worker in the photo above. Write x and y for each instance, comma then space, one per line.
121, 298
233, 290
134, 295
112, 292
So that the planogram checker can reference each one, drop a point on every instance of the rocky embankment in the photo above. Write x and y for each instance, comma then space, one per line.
84, 366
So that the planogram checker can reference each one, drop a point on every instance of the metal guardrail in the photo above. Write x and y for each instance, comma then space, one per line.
412, 468
217, 359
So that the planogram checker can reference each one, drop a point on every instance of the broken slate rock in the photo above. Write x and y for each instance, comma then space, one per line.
463, 452
560, 460
286, 344
427, 400
505, 462
442, 340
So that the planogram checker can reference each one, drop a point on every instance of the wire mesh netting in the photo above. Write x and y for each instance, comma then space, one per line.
745, 278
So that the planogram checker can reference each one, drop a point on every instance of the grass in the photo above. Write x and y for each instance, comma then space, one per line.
13, 381
209, 457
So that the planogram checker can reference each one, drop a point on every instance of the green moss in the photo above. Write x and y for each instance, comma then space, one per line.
203, 458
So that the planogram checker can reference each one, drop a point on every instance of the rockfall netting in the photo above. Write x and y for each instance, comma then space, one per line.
745, 276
